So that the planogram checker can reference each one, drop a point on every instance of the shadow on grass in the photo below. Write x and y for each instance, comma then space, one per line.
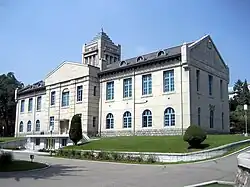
201, 146
55, 172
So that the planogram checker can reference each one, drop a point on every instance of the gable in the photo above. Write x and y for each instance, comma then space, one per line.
204, 51
66, 72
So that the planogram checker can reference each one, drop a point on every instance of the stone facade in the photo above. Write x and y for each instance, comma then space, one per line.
174, 101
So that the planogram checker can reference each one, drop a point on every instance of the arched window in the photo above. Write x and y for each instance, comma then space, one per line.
147, 118
29, 126
21, 127
127, 120
160, 53
65, 97
110, 121
123, 63
169, 117
37, 125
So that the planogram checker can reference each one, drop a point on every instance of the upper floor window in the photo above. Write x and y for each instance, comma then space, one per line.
79, 93
210, 84
169, 117
94, 92
30, 104
147, 84
221, 89
21, 127
37, 125
127, 120
110, 90
52, 98
94, 121
29, 126
51, 122
39, 103
168, 81
110, 121
197, 80
147, 118
127, 87
22, 105
65, 98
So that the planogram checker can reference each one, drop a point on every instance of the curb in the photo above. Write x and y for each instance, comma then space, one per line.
155, 165
211, 182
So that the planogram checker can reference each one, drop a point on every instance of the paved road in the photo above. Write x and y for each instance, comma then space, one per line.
78, 173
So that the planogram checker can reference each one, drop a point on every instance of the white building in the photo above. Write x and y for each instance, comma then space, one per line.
160, 93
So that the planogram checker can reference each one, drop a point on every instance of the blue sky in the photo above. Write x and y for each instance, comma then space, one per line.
37, 35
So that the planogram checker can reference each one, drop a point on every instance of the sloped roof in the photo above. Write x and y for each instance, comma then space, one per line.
29, 88
103, 36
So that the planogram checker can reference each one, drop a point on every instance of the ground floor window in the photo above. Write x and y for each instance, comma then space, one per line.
64, 142
50, 143
37, 140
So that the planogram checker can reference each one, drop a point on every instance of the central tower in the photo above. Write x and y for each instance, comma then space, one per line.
101, 51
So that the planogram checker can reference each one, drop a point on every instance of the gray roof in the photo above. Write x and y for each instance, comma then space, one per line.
29, 88
139, 60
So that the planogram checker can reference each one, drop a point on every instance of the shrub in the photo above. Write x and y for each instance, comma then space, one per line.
75, 132
5, 159
194, 135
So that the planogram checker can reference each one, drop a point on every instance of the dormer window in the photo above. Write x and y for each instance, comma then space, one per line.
160, 53
123, 63
139, 59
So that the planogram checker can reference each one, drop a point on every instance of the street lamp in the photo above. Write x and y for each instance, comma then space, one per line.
245, 109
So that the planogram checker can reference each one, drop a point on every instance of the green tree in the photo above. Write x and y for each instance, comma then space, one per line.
8, 85
242, 92
75, 132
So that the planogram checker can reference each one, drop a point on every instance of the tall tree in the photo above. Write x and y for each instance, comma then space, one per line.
8, 85
75, 132
242, 92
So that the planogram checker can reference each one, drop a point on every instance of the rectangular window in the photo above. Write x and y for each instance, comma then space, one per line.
65, 98
79, 93
37, 141
30, 106
222, 120
210, 84
127, 87
168, 81
64, 142
221, 89
147, 84
39, 103
94, 121
94, 92
197, 80
211, 120
51, 122
22, 105
52, 98
110, 90
199, 116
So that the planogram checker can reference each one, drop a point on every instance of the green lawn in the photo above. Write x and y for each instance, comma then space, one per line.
7, 139
20, 165
165, 144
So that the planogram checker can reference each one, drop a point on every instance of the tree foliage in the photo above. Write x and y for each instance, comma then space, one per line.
75, 132
8, 85
237, 113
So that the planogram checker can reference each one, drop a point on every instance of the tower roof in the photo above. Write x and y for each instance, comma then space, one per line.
103, 36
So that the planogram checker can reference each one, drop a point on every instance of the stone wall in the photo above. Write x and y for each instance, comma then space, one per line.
242, 177
143, 132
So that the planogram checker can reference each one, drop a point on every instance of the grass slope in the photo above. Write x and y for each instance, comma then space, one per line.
165, 144
8, 139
